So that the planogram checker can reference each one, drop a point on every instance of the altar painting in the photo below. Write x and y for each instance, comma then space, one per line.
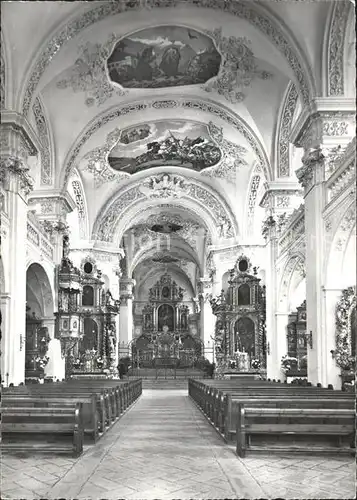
164, 56
165, 317
244, 336
166, 142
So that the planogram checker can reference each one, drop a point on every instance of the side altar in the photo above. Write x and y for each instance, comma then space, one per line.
240, 340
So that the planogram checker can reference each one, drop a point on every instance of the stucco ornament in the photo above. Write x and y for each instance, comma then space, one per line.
11, 166
305, 174
267, 225
97, 161
42, 127
343, 354
2, 79
89, 73
336, 48
238, 67
284, 132
231, 156
164, 186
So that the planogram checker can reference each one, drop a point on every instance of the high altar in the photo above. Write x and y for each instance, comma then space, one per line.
240, 326
165, 339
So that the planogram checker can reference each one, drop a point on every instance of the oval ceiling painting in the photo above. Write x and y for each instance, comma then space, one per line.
167, 142
165, 56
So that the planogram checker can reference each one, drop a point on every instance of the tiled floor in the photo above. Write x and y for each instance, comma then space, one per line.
164, 448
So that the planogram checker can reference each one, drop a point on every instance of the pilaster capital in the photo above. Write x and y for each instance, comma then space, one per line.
52, 205
17, 136
326, 122
126, 287
14, 175
313, 167
205, 289
281, 197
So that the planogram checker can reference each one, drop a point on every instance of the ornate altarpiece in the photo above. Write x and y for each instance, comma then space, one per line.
240, 325
86, 319
165, 340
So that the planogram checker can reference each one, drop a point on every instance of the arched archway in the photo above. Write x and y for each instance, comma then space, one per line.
39, 308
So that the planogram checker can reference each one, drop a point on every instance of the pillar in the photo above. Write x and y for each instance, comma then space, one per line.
207, 318
18, 143
324, 128
126, 310
272, 338
17, 184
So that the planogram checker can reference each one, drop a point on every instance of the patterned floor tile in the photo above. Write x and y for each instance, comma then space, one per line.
164, 448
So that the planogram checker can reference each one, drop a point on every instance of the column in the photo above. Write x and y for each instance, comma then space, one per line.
17, 184
272, 338
126, 310
18, 143
207, 318
323, 131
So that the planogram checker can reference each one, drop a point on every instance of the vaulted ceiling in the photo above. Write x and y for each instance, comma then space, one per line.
162, 115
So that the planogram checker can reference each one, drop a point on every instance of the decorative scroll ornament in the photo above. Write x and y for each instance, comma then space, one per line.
97, 161
89, 73
42, 127
232, 156
336, 48
305, 174
15, 167
2, 79
238, 67
285, 127
164, 186
344, 309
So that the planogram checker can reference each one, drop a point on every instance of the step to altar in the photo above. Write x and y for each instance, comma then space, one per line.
165, 384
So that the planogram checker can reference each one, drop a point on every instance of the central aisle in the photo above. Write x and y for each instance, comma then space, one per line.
162, 448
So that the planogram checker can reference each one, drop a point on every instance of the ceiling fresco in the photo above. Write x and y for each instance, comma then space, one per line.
164, 56
168, 142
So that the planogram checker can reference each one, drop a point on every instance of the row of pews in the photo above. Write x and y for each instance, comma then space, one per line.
59, 417
263, 416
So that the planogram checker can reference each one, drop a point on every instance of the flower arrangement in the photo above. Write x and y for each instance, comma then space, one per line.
100, 362
256, 364
77, 363
41, 362
288, 363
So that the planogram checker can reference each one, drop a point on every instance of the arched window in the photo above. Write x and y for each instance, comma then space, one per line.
88, 296
244, 295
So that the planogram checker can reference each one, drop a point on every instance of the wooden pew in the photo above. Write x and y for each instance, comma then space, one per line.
45, 430
92, 410
221, 405
292, 423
